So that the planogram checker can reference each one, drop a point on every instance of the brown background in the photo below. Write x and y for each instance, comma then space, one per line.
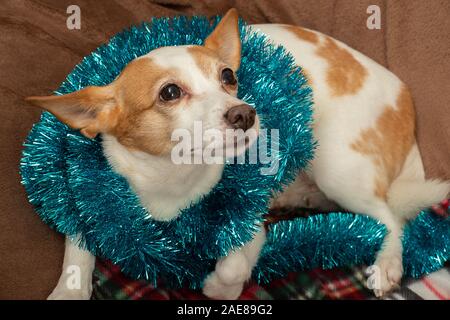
37, 51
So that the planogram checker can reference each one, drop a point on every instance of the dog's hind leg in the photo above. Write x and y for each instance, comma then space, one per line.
387, 269
351, 181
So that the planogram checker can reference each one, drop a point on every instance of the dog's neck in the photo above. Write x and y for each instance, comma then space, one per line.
163, 187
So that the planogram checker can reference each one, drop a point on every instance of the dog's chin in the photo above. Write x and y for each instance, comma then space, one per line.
228, 147
239, 147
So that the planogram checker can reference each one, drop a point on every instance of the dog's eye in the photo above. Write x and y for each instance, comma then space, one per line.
170, 92
228, 77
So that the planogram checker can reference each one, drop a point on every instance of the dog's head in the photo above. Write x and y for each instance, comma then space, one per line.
169, 88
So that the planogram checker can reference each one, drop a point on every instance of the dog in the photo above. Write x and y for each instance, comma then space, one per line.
367, 160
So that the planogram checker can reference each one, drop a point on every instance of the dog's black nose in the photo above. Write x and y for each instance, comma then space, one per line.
241, 116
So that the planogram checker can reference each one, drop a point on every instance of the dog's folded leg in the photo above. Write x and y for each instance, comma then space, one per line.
232, 271
303, 193
75, 282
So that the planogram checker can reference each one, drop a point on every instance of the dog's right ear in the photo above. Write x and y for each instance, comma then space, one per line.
92, 110
225, 39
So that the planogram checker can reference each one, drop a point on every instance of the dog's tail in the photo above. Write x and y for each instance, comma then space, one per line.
410, 192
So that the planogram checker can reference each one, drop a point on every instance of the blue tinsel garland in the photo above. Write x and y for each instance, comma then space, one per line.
76, 192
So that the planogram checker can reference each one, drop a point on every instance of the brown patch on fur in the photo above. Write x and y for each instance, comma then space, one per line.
144, 124
129, 108
307, 75
225, 40
87, 109
389, 142
303, 34
345, 75
205, 59
104, 122
380, 189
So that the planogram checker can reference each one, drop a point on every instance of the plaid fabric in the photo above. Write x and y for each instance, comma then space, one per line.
317, 284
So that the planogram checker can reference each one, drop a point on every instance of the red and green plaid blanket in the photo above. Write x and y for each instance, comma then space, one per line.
317, 284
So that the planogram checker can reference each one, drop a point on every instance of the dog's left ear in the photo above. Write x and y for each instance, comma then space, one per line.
225, 39
91, 110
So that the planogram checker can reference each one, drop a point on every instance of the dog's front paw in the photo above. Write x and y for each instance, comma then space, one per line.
233, 269
227, 281
62, 292
214, 288
386, 274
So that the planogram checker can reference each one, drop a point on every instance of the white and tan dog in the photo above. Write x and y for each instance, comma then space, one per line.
367, 160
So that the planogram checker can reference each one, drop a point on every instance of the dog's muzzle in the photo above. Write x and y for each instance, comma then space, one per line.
241, 117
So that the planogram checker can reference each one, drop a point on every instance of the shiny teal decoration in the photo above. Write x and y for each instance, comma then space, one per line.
75, 191
343, 239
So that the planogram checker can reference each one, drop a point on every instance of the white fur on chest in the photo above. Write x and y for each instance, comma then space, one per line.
163, 188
